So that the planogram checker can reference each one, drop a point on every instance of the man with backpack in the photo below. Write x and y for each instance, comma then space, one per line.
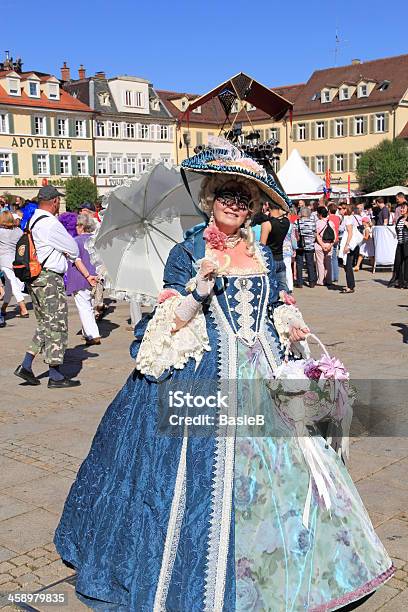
41, 261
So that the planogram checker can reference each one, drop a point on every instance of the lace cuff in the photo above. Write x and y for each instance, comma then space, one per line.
284, 318
162, 348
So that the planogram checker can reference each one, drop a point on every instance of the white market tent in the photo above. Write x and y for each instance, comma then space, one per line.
389, 191
299, 181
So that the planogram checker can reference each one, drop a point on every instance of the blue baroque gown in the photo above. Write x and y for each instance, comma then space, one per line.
213, 523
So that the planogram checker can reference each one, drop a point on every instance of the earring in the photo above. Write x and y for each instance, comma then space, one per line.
250, 238
211, 219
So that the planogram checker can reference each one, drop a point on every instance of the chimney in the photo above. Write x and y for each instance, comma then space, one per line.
356, 61
65, 72
81, 72
100, 75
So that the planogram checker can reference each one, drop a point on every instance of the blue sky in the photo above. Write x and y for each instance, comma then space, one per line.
192, 46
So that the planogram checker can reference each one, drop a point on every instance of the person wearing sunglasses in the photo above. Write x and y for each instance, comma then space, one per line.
168, 514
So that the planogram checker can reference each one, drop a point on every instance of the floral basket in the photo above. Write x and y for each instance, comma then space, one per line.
307, 392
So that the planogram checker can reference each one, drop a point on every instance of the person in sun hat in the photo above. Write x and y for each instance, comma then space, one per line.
167, 514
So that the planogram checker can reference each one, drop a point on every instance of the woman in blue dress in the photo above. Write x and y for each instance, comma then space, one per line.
165, 516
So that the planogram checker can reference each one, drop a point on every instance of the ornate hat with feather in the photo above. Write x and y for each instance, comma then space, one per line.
223, 158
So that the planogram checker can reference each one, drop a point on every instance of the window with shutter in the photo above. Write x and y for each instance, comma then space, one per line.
91, 165
345, 162
10, 121
15, 163
313, 130
386, 122
57, 164
345, 127
35, 165
52, 164
351, 126
74, 165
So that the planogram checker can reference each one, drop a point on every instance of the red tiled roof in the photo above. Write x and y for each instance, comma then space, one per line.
66, 102
392, 69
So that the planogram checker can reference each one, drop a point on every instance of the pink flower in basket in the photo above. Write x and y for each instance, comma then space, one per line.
215, 237
332, 368
312, 369
166, 294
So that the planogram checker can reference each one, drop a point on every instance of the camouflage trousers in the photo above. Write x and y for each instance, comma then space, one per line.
51, 311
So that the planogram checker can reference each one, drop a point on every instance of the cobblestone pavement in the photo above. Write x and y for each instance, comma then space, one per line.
45, 434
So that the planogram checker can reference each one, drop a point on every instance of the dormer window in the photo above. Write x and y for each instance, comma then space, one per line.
344, 93
33, 89
251, 107
363, 90
384, 86
197, 110
325, 96
53, 91
235, 107
316, 96
133, 98
14, 86
184, 103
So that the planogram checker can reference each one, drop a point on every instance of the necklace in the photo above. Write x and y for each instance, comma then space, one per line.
216, 239
233, 240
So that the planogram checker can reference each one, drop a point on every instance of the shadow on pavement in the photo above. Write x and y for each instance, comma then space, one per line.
74, 358
403, 330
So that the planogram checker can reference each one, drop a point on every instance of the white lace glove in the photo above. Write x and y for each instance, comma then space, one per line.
204, 283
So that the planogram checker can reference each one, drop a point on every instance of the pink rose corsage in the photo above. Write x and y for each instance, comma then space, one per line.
215, 237
166, 294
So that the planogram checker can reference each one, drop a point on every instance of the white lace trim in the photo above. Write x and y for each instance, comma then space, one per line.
223, 474
244, 308
173, 532
162, 348
285, 317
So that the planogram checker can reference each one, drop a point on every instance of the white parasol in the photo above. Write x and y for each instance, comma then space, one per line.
143, 220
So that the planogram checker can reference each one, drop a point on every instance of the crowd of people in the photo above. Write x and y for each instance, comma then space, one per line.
313, 238
316, 236
66, 269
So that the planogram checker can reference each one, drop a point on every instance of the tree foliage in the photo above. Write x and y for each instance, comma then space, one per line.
383, 166
78, 190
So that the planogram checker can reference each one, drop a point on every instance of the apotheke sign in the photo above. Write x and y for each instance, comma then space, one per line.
42, 143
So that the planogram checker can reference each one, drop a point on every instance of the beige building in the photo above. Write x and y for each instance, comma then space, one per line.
338, 114
45, 133
132, 128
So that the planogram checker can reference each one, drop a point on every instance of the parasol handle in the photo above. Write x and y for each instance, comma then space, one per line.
316, 339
